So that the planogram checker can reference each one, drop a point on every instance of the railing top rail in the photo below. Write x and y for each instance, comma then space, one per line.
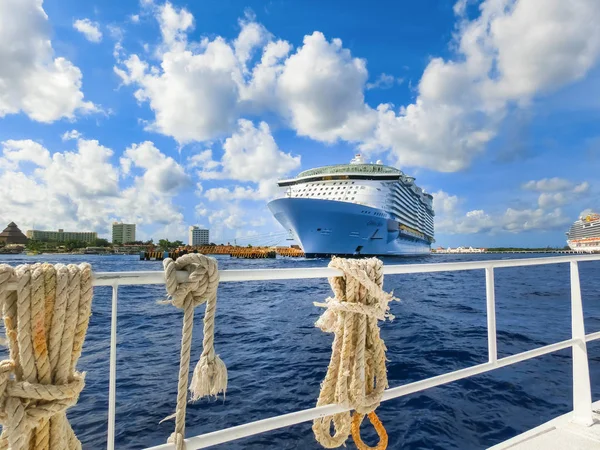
227, 276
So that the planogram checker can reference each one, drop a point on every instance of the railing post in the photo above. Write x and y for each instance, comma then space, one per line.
112, 384
582, 396
491, 314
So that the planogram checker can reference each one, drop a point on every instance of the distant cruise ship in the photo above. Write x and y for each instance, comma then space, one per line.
584, 234
356, 209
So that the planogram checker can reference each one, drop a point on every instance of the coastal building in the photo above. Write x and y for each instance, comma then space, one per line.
122, 233
198, 236
460, 250
62, 236
12, 235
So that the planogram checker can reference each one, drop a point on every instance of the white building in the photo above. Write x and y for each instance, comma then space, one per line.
198, 236
123, 233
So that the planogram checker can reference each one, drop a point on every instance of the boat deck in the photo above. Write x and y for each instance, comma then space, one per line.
558, 434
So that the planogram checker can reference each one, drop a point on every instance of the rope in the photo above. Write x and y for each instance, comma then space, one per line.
46, 320
210, 374
356, 376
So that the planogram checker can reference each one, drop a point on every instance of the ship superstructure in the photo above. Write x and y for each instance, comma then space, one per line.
356, 209
584, 234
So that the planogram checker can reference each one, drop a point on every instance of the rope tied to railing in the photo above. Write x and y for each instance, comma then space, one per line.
356, 376
210, 374
46, 320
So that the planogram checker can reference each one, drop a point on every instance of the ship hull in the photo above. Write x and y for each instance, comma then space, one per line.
325, 228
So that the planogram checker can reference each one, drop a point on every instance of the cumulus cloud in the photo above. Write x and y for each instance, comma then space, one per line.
509, 54
69, 135
34, 81
321, 88
513, 52
452, 219
81, 188
555, 184
91, 30
266, 189
384, 81
161, 174
556, 191
251, 154
15, 152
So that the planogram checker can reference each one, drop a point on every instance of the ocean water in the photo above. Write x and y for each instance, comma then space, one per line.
277, 359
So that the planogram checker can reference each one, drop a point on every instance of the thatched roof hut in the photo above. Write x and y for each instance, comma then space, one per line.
12, 235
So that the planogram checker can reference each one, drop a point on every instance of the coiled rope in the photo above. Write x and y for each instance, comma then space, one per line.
210, 374
46, 320
356, 376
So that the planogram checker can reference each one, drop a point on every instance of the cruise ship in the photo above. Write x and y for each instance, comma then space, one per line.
356, 209
584, 234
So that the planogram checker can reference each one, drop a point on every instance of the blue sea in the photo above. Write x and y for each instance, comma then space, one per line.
277, 359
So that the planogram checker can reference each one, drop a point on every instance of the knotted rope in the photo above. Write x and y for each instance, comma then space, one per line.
210, 374
46, 320
356, 376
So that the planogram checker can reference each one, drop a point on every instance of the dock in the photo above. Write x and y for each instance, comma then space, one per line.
231, 250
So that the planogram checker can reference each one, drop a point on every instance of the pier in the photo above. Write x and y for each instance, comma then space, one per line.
231, 250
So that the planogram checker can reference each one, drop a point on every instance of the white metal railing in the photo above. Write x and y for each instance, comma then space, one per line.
582, 399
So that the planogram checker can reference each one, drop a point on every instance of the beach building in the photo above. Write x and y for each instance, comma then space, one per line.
122, 233
62, 236
12, 235
198, 236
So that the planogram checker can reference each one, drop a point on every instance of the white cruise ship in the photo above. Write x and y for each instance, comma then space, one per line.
356, 209
584, 234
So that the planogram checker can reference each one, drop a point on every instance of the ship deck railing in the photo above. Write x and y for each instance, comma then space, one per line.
582, 413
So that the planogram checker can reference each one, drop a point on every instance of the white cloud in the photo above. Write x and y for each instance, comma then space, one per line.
14, 152
251, 154
444, 203
70, 135
384, 81
91, 30
513, 52
193, 96
203, 160
555, 184
174, 24
81, 188
135, 18
556, 191
161, 173
266, 189
33, 80
321, 87
451, 219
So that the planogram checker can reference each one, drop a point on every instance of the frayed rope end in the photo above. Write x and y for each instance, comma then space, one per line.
209, 379
327, 322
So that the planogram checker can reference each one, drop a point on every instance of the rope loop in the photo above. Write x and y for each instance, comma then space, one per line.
210, 374
356, 377
357, 419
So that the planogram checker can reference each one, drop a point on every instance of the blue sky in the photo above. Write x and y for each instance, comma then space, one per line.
180, 113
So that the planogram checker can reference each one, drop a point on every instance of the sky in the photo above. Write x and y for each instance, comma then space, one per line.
170, 114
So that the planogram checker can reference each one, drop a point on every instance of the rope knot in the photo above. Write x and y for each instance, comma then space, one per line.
202, 282
356, 376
